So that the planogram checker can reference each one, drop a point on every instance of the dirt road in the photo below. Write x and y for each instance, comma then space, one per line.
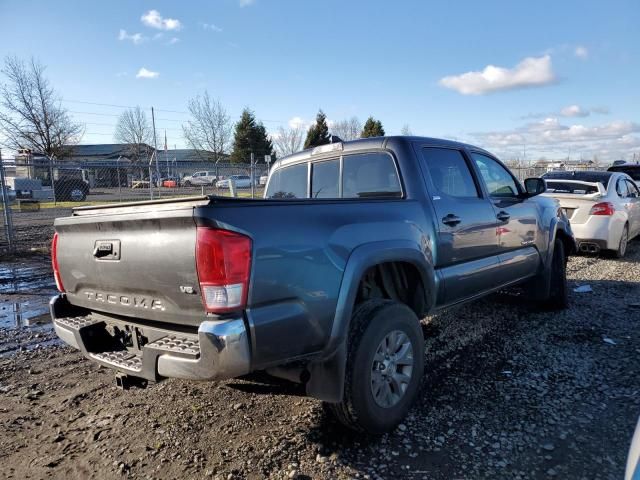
508, 393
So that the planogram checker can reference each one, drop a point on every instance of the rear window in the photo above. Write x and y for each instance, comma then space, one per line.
325, 178
370, 175
558, 186
288, 182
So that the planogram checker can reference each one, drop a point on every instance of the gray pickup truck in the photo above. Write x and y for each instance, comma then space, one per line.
322, 282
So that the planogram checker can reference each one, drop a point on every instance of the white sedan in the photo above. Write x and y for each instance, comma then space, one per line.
603, 208
241, 181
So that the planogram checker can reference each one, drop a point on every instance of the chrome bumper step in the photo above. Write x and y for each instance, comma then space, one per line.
219, 350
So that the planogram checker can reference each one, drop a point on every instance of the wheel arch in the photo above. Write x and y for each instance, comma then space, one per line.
327, 374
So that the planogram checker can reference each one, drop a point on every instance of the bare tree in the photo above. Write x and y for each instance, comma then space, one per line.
210, 127
347, 129
32, 116
288, 141
406, 130
134, 130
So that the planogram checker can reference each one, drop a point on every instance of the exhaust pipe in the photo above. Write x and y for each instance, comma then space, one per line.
588, 247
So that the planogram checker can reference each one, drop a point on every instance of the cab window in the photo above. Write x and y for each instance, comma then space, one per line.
288, 182
449, 172
325, 179
500, 183
370, 175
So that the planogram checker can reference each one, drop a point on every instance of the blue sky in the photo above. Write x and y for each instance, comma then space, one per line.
561, 78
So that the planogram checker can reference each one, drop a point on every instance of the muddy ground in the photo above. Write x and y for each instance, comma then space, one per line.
509, 392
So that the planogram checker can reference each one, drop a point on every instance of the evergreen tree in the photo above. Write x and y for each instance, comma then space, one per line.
250, 137
318, 134
372, 128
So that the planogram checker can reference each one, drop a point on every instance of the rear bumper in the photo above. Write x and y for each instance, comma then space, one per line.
219, 350
603, 231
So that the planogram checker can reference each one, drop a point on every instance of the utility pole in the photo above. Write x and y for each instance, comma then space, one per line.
155, 146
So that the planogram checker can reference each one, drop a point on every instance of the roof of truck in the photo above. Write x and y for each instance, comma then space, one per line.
372, 143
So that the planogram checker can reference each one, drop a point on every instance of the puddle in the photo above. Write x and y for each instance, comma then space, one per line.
26, 285
29, 313
26, 277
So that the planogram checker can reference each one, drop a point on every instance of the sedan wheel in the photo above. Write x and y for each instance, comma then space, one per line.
624, 240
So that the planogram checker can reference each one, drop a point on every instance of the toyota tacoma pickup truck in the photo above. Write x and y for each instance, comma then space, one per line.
324, 281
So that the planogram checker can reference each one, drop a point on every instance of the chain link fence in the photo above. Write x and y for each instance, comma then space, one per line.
37, 192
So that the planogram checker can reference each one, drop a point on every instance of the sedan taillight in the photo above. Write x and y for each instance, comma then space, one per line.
603, 208
223, 262
54, 262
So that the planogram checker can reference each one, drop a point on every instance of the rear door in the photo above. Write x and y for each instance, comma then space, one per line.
517, 218
467, 243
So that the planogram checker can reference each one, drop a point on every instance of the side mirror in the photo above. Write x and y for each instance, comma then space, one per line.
535, 186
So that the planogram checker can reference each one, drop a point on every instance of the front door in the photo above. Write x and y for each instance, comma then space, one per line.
517, 218
467, 244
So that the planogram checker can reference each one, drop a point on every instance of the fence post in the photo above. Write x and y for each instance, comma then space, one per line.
251, 175
53, 186
6, 207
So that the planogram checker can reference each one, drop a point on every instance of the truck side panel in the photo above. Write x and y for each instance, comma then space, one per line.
299, 255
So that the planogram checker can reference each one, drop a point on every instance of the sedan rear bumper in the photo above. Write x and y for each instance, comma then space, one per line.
604, 231
219, 350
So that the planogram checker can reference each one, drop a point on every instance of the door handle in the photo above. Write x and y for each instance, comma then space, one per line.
451, 220
503, 216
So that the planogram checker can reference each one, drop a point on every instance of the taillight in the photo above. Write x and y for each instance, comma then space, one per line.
54, 262
603, 208
223, 262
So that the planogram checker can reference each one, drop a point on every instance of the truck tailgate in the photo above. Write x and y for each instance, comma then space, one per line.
135, 260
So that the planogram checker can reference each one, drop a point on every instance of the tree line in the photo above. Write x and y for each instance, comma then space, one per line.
32, 117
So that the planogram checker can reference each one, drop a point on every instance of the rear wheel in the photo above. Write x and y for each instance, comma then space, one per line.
622, 246
384, 367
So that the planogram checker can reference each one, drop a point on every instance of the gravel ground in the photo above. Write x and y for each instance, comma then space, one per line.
508, 393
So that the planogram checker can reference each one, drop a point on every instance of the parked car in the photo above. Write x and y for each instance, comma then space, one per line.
241, 181
631, 169
322, 282
603, 207
263, 180
200, 178
71, 185
171, 181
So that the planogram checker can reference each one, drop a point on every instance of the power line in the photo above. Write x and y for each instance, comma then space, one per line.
265, 120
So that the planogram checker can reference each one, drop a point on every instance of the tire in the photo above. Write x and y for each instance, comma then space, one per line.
77, 194
622, 246
187, 183
558, 292
378, 392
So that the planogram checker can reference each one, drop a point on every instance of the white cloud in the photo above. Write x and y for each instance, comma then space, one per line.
174, 40
549, 137
135, 38
532, 71
574, 111
153, 19
144, 73
581, 52
296, 122
570, 111
212, 27
246, 3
